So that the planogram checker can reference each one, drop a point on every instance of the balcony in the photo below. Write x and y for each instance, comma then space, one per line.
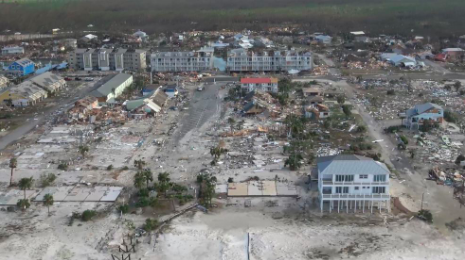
355, 196
352, 183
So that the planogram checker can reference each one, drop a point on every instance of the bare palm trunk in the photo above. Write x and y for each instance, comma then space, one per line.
11, 176
24, 194
48, 210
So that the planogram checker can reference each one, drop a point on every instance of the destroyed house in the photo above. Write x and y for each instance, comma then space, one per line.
416, 116
318, 111
352, 182
312, 91
148, 104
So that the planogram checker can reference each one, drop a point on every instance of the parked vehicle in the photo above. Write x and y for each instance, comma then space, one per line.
77, 78
89, 79
68, 79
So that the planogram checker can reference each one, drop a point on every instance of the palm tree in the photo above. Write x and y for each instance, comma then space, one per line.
139, 180
164, 183
13, 165
231, 123
26, 184
139, 164
148, 176
164, 177
83, 149
48, 201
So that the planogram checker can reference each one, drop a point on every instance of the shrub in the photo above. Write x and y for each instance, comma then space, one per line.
361, 129
390, 92
47, 179
110, 167
392, 129
346, 110
88, 215
150, 224
125, 168
23, 204
230, 179
404, 139
124, 209
425, 215
63, 166
450, 116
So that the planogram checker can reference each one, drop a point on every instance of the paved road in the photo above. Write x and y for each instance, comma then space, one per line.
63, 104
203, 105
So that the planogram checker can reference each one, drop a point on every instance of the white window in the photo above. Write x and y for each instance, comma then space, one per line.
379, 190
363, 176
379, 178
341, 178
342, 190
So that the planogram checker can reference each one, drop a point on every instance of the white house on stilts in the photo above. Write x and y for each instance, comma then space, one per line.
352, 183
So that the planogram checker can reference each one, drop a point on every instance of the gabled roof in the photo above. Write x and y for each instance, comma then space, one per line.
350, 164
420, 109
24, 62
47, 79
113, 83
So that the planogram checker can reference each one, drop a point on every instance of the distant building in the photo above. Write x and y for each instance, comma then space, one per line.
186, 61
112, 88
108, 59
241, 60
352, 183
399, 60
454, 54
23, 95
416, 116
69, 43
262, 84
22, 67
50, 82
12, 50
3, 82
324, 39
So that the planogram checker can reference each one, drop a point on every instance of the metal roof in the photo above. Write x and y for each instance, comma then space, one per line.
350, 165
113, 83
420, 109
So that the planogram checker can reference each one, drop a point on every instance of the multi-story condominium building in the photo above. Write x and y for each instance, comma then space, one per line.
108, 59
352, 183
12, 50
241, 60
187, 61
262, 84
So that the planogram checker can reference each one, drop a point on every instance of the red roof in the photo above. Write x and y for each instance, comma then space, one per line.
255, 80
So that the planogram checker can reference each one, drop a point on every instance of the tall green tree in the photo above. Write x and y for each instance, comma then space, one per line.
13, 165
139, 180
48, 201
26, 184
148, 176
207, 184
231, 123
